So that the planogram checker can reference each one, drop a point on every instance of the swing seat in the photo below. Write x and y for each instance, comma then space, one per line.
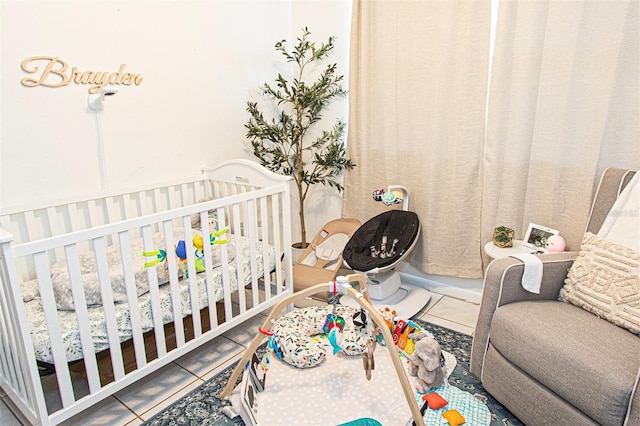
400, 225
322, 258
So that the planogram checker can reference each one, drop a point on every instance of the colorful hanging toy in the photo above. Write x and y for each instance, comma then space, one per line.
334, 324
181, 251
273, 342
388, 197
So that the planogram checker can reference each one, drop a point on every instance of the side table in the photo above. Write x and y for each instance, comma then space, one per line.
496, 252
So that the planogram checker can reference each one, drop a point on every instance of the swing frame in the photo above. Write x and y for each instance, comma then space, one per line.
342, 285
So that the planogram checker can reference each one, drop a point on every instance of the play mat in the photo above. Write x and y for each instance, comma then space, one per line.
336, 391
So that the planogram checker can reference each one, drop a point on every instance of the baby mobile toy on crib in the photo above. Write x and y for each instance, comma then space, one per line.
180, 249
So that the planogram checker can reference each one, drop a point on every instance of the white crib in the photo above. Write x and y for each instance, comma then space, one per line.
118, 341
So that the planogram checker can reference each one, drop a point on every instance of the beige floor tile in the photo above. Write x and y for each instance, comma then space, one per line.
52, 393
435, 298
459, 311
244, 334
209, 356
177, 394
155, 388
447, 324
222, 366
109, 411
135, 422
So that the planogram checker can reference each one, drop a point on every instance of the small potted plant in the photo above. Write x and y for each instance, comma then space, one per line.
281, 143
503, 236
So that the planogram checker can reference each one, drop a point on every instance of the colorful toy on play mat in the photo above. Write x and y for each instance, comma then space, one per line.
388, 197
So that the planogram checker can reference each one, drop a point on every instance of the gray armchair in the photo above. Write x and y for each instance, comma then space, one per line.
550, 362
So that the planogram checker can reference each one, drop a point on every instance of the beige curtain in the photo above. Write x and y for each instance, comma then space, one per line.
563, 106
417, 83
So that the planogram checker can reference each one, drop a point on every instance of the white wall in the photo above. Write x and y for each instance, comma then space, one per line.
200, 63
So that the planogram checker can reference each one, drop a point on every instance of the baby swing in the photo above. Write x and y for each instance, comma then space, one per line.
379, 246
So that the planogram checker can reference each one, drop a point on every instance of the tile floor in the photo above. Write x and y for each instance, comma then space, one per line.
140, 401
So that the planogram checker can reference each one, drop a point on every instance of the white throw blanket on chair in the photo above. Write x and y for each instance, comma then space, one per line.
622, 225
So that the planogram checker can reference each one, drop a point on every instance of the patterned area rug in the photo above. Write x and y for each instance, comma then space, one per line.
202, 406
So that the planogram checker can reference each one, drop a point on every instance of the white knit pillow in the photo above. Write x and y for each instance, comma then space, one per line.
605, 280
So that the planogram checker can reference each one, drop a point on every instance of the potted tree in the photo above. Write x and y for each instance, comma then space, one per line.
281, 143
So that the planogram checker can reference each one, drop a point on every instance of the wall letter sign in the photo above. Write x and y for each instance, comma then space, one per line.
52, 72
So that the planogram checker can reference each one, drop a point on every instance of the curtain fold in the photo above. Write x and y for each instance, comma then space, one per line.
563, 106
418, 82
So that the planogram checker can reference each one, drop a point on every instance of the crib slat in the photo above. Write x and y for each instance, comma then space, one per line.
132, 299
82, 315
146, 207
7, 351
129, 205
277, 239
57, 228
238, 261
53, 325
193, 279
31, 229
154, 293
108, 307
253, 252
174, 284
184, 192
225, 273
74, 217
264, 220
93, 214
111, 210
206, 242
171, 193
157, 200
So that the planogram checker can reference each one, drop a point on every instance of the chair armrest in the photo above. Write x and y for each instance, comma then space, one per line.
633, 418
502, 285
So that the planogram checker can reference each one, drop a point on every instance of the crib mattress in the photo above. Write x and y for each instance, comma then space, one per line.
69, 322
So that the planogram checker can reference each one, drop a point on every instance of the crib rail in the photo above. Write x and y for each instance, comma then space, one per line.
105, 226
34, 222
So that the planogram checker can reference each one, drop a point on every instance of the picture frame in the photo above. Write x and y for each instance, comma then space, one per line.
537, 235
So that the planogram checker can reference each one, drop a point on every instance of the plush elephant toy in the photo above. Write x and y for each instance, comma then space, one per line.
425, 362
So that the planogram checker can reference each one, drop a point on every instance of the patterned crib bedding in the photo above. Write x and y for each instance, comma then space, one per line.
69, 322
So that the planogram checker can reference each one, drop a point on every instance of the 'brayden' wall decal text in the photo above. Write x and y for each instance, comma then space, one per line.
54, 74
